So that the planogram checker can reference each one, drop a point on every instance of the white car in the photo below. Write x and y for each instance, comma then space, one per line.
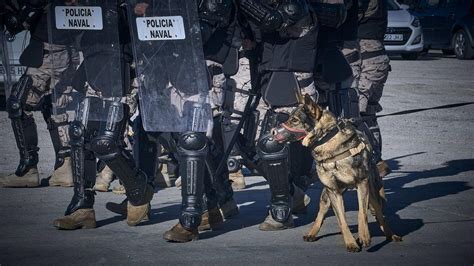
404, 34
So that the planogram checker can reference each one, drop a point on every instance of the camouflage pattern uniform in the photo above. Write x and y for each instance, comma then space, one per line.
374, 67
242, 79
351, 51
373, 75
57, 59
34, 91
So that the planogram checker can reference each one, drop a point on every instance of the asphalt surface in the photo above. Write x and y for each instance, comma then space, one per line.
428, 130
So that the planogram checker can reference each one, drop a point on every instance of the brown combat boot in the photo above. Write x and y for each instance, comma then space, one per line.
80, 219
62, 176
30, 179
384, 168
271, 225
103, 180
137, 214
181, 235
211, 220
229, 209
238, 181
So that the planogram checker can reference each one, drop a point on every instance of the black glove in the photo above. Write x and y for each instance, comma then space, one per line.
13, 23
215, 12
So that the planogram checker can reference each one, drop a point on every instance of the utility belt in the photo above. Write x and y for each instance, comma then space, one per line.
368, 55
353, 57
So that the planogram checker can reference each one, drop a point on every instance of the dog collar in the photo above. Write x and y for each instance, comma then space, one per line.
329, 135
316, 142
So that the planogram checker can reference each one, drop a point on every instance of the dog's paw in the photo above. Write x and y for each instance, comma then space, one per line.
364, 242
395, 238
352, 247
309, 238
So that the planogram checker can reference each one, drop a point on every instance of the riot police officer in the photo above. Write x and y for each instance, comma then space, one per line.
101, 117
285, 33
374, 69
48, 64
181, 112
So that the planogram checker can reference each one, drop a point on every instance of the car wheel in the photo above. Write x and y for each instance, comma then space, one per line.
411, 56
462, 45
447, 51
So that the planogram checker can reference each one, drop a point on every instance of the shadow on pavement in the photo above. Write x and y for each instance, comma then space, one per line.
400, 197
158, 215
447, 106
253, 209
253, 203
394, 163
110, 220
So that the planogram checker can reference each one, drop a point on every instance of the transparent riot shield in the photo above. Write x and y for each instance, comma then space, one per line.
171, 71
11, 48
85, 52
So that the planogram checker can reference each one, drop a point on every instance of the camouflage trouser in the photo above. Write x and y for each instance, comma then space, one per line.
351, 51
241, 97
373, 75
56, 60
217, 79
374, 70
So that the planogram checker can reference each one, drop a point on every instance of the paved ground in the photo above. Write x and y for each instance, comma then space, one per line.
428, 130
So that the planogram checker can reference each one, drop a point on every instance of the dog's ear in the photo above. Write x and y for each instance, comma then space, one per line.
307, 99
311, 105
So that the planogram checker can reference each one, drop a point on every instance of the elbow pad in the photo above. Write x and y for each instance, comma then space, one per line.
285, 14
266, 18
293, 11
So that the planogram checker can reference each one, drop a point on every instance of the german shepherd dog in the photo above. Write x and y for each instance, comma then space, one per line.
343, 158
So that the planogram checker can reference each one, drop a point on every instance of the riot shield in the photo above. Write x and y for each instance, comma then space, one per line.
11, 48
85, 51
170, 66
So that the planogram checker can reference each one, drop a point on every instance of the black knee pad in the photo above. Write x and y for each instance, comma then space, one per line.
192, 150
17, 98
104, 146
192, 141
14, 108
76, 131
